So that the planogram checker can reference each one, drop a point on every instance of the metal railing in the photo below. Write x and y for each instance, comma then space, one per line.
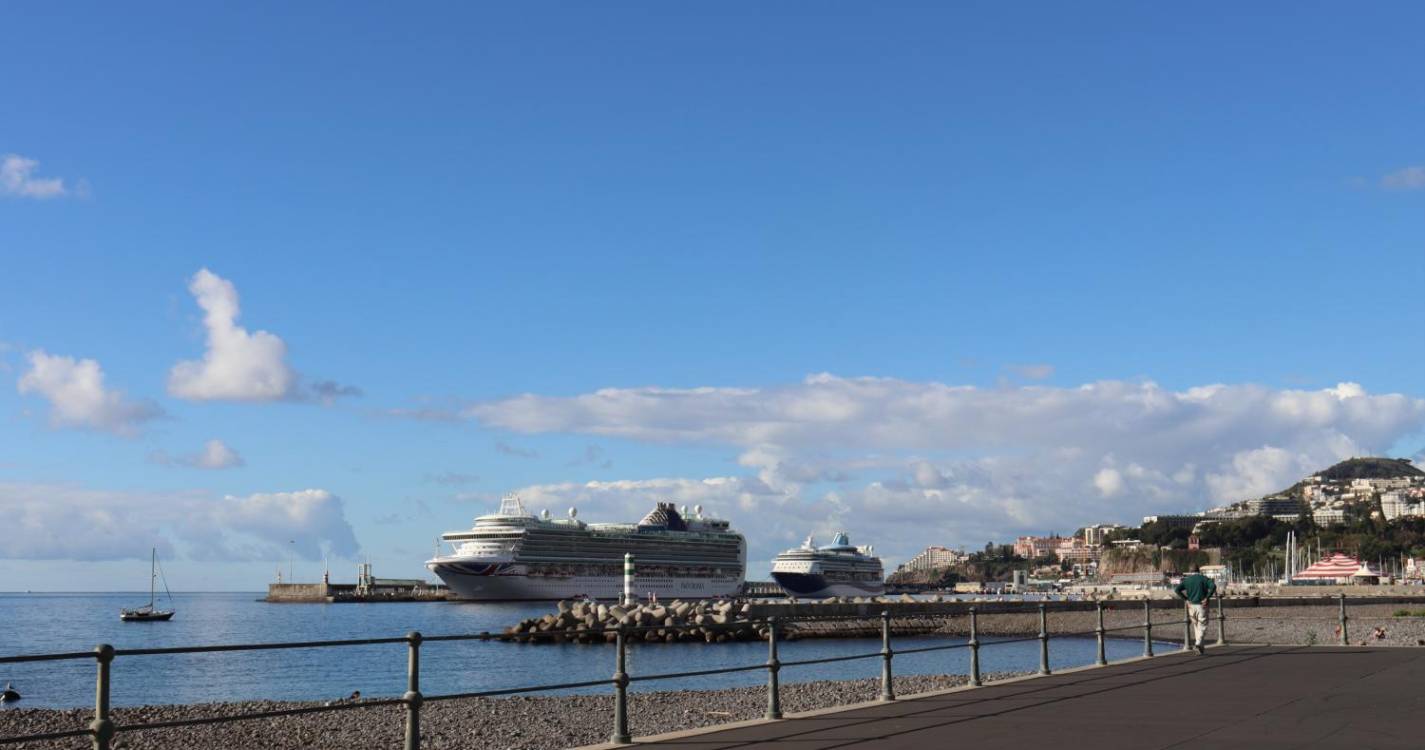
103, 729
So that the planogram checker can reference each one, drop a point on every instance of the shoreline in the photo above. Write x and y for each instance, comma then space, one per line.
514, 723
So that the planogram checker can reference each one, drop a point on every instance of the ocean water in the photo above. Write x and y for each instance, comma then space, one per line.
42, 623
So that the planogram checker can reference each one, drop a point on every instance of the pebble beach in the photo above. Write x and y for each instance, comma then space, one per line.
518, 723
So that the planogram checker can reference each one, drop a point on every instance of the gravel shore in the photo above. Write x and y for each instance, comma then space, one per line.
518, 723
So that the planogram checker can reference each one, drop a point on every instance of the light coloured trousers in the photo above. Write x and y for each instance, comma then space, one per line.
1198, 614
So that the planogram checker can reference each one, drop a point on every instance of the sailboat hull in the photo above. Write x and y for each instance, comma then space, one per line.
145, 616
147, 613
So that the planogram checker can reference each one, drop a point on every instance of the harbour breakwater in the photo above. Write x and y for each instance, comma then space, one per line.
677, 621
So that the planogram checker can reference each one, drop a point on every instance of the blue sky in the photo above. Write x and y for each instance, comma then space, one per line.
1045, 228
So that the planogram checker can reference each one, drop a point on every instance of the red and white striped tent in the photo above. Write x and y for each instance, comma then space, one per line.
1337, 566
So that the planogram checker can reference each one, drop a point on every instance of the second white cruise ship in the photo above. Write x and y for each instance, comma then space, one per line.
514, 555
836, 569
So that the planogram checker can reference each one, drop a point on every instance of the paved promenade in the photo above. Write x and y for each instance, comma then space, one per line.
1234, 697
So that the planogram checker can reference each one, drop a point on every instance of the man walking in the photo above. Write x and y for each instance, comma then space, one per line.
1197, 589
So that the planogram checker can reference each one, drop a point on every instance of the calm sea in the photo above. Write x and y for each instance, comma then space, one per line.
39, 623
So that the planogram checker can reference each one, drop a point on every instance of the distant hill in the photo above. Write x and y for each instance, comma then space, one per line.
1352, 468
1371, 468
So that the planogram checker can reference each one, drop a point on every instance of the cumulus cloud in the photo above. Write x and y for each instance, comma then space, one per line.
17, 180
309, 519
238, 365
65, 522
215, 455
1108, 481
915, 463
1261, 471
1408, 178
825, 412
78, 398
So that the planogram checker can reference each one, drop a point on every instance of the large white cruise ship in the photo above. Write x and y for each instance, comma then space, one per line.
515, 555
836, 569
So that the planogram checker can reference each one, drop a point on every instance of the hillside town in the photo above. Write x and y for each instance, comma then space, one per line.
1359, 521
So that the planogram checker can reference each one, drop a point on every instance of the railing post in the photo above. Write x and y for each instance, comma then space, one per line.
1221, 623
1102, 657
620, 735
1345, 640
974, 650
888, 691
774, 697
1147, 627
413, 696
1043, 639
102, 728
1187, 627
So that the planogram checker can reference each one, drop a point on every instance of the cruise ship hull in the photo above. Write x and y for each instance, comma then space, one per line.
816, 586
503, 582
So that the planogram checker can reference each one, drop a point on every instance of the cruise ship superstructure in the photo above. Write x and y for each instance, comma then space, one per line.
836, 569
514, 555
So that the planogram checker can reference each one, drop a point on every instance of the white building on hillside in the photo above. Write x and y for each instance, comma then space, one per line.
935, 558
1328, 516
1402, 503
1093, 535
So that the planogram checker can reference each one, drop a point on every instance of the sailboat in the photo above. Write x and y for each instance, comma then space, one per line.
147, 612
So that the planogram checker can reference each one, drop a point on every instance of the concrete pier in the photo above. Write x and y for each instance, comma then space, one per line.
1234, 697
379, 591
906, 607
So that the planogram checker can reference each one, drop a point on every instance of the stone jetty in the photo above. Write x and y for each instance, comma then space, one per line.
716, 621
674, 622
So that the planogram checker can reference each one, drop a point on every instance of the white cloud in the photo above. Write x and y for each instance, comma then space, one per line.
1408, 178
1261, 471
215, 455
17, 179
825, 412
78, 398
238, 365
64, 522
905, 464
1108, 481
309, 519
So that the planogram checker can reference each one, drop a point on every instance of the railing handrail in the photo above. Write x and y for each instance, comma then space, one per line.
102, 729
489, 636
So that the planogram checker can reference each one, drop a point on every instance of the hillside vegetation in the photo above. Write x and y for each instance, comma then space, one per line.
1371, 468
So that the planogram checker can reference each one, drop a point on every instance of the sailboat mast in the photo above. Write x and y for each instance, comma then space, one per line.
152, 573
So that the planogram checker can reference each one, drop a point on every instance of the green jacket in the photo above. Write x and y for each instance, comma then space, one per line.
1196, 588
